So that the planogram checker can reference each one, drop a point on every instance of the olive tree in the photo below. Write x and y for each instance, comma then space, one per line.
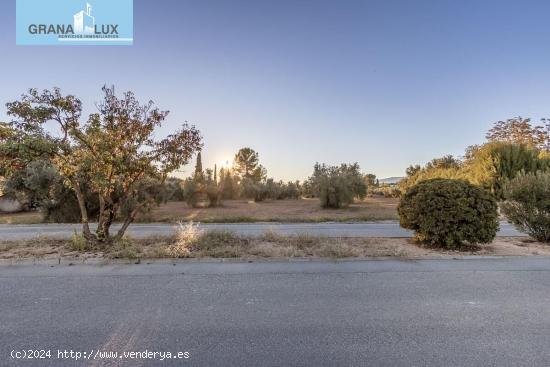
337, 186
113, 152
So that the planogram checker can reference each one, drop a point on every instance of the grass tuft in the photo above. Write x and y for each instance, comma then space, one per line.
187, 235
78, 243
126, 248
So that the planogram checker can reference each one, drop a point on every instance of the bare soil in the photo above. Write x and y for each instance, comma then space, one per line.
302, 210
238, 211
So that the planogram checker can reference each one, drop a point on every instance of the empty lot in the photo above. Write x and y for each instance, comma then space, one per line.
302, 210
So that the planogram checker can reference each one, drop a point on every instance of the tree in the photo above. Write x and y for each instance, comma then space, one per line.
199, 174
370, 180
17, 149
228, 184
113, 151
246, 165
492, 164
337, 186
518, 131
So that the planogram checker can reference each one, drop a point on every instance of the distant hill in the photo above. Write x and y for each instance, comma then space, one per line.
390, 180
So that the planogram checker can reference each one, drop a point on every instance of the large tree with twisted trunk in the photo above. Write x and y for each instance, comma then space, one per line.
113, 152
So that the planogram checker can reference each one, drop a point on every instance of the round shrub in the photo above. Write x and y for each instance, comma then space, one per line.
449, 213
527, 204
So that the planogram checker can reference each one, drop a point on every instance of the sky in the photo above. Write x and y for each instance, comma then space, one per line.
385, 83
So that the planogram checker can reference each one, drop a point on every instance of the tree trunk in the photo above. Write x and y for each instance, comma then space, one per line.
129, 219
84, 214
107, 214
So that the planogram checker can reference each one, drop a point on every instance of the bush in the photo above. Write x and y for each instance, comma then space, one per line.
254, 190
527, 204
493, 164
448, 213
281, 190
385, 191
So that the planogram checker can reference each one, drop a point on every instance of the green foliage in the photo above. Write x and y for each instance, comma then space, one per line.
229, 187
214, 194
492, 164
412, 170
308, 189
444, 167
61, 205
337, 186
192, 192
279, 190
387, 191
174, 189
489, 166
527, 204
251, 189
274, 189
125, 248
201, 194
291, 190
113, 152
448, 213
148, 193
42, 187
370, 180
17, 149
79, 243
202, 190
199, 174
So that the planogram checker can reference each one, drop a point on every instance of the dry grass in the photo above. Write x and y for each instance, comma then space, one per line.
43, 248
303, 210
186, 236
21, 218
225, 244
242, 211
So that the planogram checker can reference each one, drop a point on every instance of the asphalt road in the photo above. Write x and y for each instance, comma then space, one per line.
369, 229
473, 312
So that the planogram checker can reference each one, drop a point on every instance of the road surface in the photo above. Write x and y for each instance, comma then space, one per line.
473, 312
368, 229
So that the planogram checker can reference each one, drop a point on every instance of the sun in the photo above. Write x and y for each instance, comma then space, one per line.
225, 162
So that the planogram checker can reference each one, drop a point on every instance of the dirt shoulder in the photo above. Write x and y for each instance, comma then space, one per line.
269, 246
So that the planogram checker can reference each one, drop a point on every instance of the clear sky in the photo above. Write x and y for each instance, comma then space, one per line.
386, 83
